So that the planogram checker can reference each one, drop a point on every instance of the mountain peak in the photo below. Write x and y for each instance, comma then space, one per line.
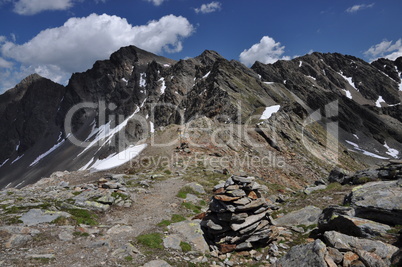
208, 57
133, 53
30, 79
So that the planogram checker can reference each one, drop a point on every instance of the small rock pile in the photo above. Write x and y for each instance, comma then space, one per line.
238, 217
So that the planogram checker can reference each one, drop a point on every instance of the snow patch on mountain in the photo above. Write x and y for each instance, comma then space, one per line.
143, 81
118, 159
18, 158
269, 111
163, 87
40, 157
379, 101
349, 80
364, 152
4, 162
391, 151
151, 126
348, 94
105, 133
206, 75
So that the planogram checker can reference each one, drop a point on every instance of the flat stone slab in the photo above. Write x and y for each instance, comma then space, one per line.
306, 216
378, 201
38, 216
172, 241
196, 187
191, 232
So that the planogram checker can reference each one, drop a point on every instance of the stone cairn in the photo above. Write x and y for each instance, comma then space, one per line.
237, 218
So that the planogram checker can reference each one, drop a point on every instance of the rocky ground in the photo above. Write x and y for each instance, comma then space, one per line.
157, 218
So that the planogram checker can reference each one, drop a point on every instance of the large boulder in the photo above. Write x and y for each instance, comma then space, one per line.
305, 216
368, 250
306, 255
378, 201
341, 219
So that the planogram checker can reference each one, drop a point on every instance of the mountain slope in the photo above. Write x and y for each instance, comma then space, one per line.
122, 101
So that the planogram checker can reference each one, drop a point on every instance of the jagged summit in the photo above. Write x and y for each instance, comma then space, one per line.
133, 53
208, 57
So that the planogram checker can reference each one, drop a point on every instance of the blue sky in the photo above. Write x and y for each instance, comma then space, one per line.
58, 37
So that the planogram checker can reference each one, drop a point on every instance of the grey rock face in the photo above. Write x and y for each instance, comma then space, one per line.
304, 255
341, 219
378, 201
348, 243
306, 216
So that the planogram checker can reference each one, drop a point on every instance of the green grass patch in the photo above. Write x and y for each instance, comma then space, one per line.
395, 230
78, 234
81, 216
16, 209
128, 258
185, 247
120, 195
192, 207
334, 186
61, 221
13, 220
164, 223
43, 261
153, 240
174, 219
186, 190
177, 218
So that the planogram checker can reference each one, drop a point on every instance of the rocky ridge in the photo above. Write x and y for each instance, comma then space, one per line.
140, 92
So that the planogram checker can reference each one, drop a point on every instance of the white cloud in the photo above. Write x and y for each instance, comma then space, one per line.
57, 52
209, 8
5, 64
385, 49
31, 7
156, 2
266, 51
356, 8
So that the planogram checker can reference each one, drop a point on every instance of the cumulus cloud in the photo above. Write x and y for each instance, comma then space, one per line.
356, 8
57, 52
31, 7
266, 51
386, 49
209, 8
156, 2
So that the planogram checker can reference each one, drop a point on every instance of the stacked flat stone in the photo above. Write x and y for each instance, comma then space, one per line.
237, 218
